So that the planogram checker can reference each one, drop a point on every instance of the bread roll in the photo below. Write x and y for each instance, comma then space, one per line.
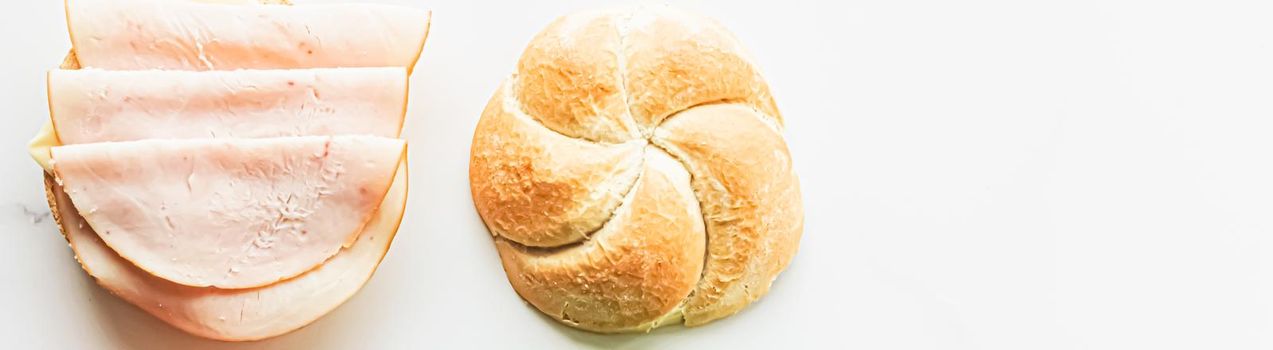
633, 173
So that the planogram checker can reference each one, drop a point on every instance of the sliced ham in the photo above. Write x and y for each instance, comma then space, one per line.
155, 34
238, 314
92, 105
228, 213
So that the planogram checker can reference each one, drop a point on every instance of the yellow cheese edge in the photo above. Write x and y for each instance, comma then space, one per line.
41, 144
189, 300
384, 222
46, 138
386, 219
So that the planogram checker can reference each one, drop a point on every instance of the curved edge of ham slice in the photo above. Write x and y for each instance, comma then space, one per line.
229, 213
189, 35
93, 105
240, 314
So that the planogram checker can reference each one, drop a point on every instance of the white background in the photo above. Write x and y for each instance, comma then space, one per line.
976, 174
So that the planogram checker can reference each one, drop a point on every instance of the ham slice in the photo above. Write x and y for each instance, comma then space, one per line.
153, 34
228, 213
238, 314
91, 105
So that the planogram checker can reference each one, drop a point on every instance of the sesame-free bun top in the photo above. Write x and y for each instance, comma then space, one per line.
633, 172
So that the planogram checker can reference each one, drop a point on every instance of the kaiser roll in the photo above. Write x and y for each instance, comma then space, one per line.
633, 173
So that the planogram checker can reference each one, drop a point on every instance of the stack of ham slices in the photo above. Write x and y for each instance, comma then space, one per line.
232, 168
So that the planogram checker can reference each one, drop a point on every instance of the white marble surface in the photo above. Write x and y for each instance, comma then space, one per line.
977, 175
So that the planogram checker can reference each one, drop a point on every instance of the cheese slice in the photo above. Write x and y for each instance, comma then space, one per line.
237, 314
229, 213
92, 105
187, 35
39, 147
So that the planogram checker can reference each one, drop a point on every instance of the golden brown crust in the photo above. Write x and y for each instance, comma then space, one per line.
686, 84
51, 199
750, 198
539, 188
640, 266
568, 79
677, 60
68, 62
